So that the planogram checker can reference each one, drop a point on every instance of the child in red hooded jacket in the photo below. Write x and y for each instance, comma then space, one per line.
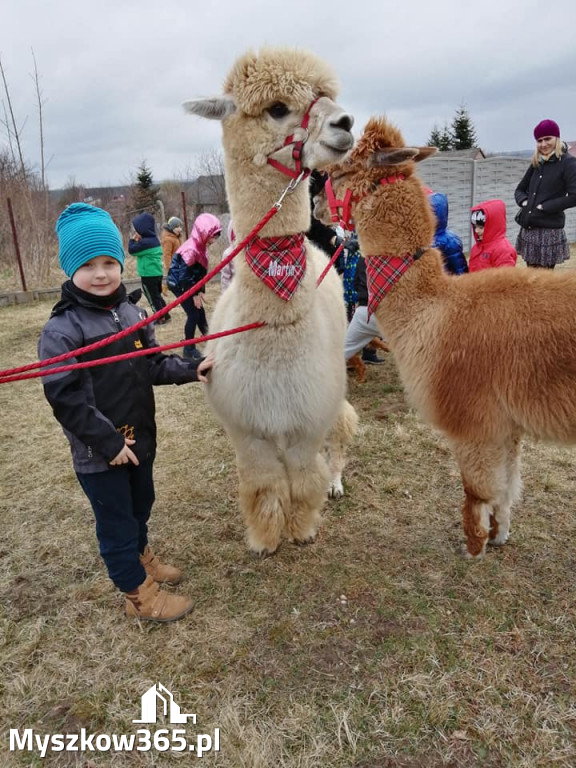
491, 248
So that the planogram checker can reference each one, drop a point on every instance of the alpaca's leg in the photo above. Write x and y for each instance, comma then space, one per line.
308, 477
337, 442
500, 519
484, 476
476, 522
264, 493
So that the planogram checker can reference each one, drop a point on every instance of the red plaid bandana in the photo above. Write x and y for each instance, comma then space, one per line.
280, 262
381, 273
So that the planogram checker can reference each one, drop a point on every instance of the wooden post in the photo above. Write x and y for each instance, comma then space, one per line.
16, 246
184, 215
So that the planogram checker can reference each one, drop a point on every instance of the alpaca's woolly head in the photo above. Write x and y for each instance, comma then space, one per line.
378, 134
393, 217
259, 80
380, 151
266, 97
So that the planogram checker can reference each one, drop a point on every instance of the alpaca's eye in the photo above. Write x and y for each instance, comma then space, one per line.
278, 110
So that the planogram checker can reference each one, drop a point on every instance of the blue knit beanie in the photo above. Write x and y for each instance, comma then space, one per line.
85, 232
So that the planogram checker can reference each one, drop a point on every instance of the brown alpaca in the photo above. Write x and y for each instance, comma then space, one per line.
485, 357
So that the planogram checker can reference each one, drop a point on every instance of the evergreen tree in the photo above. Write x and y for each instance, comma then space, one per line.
144, 192
463, 133
434, 140
445, 140
440, 138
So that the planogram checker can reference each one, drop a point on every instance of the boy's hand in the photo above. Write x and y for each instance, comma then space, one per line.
204, 367
198, 301
126, 455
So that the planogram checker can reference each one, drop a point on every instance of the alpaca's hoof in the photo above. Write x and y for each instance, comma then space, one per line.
336, 490
262, 548
303, 542
263, 554
469, 556
500, 540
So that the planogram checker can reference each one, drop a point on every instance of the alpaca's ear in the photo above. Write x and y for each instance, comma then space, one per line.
392, 156
424, 152
214, 109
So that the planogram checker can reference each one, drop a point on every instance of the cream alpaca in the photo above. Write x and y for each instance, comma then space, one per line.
280, 390
485, 357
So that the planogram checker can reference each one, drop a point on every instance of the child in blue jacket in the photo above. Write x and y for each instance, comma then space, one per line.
447, 241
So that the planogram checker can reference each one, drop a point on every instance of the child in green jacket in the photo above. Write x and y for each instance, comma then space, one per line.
145, 245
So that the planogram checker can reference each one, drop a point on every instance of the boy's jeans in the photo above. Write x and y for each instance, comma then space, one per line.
121, 498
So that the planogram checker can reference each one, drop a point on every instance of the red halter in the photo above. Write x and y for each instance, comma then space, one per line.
341, 210
297, 149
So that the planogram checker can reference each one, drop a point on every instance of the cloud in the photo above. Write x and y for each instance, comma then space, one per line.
114, 75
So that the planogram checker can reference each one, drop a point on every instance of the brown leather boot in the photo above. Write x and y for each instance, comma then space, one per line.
163, 574
149, 603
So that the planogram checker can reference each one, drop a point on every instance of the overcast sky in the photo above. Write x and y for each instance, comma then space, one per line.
114, 73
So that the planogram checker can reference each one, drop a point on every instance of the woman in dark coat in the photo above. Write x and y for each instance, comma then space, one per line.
547, 189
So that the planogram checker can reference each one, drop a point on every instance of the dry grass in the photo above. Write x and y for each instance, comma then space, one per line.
375, 647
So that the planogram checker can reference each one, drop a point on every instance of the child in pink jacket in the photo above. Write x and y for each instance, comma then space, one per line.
491, 248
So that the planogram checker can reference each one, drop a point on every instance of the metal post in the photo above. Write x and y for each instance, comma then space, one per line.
472, 204
184, 214
16, 246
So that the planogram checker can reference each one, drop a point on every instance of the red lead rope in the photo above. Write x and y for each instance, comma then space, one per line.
7, 375
296, 175
20, 373
126, 356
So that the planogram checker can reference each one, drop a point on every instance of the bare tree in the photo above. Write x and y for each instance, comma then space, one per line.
208, 190
29, 195
8, 133
11, 125
40, 119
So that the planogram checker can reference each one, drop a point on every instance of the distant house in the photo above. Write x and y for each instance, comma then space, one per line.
475, 153
208, 194
571, 148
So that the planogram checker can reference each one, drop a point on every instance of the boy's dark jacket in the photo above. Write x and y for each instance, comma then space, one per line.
98, 407
360, 283
553, 186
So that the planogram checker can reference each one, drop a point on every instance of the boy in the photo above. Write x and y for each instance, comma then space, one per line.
107, 412
491, 248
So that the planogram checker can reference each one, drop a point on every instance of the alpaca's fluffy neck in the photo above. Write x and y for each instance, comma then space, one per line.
417, 292
253, 190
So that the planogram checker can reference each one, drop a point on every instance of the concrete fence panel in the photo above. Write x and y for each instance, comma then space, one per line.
468, 182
